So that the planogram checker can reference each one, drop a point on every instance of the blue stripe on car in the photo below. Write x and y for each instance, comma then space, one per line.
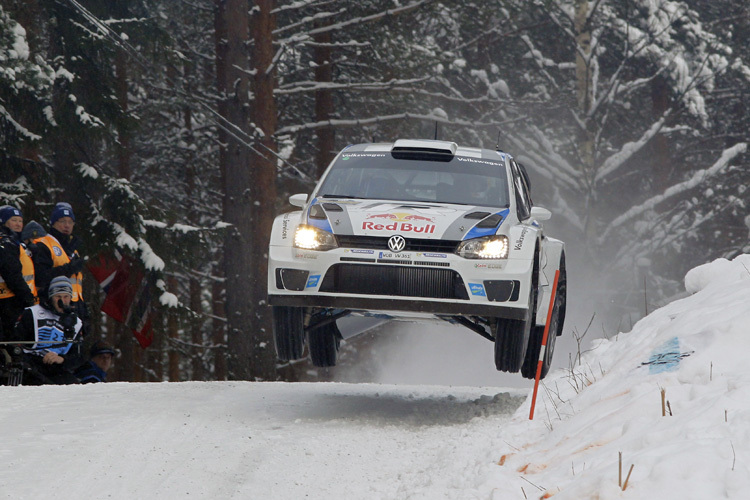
476, 232
319, 223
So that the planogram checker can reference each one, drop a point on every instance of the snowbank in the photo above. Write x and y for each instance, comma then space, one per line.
695, 351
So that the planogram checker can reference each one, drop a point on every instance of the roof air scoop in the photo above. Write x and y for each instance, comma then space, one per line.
423, 149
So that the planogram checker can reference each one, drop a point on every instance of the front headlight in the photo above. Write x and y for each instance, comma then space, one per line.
486, 247
312, 238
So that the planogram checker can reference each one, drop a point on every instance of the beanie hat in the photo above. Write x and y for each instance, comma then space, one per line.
6, 212
32, 231
101, 347
61, 284
62, 209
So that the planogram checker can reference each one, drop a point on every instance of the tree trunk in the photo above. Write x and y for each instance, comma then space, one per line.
585, 93
219, 328
662, 167
263, 207
173, 331
123, 134
218, 288
238, 190
324, 100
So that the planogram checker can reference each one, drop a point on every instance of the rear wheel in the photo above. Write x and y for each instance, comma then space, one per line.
289, 332
528, 370
324, 344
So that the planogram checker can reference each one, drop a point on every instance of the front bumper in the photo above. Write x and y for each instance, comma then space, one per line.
418, 282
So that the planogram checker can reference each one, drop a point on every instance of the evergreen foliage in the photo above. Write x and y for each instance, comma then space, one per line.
631, 117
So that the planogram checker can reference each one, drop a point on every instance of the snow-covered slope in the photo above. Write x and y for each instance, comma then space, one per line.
377, 441
696, 351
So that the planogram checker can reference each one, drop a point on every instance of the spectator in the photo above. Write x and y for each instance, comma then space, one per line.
57, 255
31, 233
100, 360
17, 288
54, 328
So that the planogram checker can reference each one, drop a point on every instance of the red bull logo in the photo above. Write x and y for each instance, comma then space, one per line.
402, 222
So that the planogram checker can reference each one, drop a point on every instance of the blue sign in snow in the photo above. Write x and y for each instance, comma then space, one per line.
666, 357
477, 289
312, 281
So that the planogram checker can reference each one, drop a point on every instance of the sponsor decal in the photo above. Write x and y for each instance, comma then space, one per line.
475, 160
434, 255
310, 256
312, 281
285, 226
495, 266
480, 266
401, 217
477, 289
356, 250
362, 155
403, 227
519, 241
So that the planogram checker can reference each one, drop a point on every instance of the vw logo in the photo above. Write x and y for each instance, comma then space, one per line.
396, 243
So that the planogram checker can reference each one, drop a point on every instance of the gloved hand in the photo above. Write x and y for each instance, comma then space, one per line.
76, 264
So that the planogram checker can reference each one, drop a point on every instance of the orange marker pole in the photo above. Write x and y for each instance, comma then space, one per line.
543, 349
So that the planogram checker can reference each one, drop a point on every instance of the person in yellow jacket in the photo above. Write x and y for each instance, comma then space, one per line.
17, 286
56, 254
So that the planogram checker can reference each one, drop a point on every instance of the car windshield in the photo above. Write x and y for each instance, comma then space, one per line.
462, 180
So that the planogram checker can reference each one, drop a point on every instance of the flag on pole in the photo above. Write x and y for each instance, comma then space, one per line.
128, 288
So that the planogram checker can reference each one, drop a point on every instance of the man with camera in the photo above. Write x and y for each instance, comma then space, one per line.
49, 334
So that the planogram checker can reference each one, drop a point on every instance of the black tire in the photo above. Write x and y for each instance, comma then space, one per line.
512, 335
528, 370
289, 332
510, 343
324, 345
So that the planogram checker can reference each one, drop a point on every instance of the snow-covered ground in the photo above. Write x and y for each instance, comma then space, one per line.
382, 441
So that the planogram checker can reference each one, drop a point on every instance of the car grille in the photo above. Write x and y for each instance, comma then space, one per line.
397, 281
412, 244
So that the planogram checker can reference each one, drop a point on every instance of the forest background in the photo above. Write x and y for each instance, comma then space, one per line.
178, 128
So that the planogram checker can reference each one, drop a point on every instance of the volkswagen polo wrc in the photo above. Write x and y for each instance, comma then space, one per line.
418, 230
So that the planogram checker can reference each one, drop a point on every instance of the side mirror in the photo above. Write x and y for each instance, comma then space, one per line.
298, 200
540, 213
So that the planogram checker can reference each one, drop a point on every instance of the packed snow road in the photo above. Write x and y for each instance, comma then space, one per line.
250, 440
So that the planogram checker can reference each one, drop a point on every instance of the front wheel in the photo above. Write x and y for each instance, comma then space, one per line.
324, 345
528, 370
289, 332
512, 335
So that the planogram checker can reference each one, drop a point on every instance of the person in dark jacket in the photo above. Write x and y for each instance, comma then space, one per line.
95, 369
49, 333
17, 288
56, 254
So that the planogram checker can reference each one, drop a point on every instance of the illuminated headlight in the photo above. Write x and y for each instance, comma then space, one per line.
486, 247
312, 238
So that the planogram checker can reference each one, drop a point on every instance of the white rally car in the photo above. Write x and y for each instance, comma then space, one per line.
417, 230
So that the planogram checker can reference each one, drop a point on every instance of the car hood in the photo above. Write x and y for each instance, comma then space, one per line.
411, 220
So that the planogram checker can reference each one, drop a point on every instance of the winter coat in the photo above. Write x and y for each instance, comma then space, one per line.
49, 265
41, 323
90, 372
11, 271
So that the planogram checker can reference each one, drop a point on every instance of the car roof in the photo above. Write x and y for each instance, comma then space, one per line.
487, 154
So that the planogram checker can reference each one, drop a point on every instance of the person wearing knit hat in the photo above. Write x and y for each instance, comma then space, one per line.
61, 211
56, 254
51, 333
11, 219
101, 355
17, 283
